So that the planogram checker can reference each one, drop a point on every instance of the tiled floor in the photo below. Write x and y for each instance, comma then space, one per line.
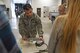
31, 48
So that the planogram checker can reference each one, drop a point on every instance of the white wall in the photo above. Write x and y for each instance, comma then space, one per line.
7, 3
19, 1
52, 4
1, 2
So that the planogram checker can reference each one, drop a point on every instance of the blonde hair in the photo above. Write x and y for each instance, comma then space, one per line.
68, 44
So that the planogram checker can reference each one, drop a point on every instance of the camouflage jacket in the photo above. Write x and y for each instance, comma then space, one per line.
29, 26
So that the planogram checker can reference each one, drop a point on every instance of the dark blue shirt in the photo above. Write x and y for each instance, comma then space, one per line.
7, 40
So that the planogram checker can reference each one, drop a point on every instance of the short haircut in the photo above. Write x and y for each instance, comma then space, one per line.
27, 7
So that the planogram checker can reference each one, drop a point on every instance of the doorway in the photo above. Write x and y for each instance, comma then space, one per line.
39, 12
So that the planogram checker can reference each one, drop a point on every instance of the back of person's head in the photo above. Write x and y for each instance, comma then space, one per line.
62, 9
68, 43
62, 6
27, 7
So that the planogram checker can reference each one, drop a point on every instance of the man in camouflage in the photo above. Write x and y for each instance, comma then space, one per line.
29, 23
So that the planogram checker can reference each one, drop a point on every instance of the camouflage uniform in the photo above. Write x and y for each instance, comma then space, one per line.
29, 26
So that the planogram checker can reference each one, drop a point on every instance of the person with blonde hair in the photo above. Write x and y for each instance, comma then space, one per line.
62, 9
65, 34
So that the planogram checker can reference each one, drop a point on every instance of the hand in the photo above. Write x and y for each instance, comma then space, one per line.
24, 38
49, 18
41, 37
